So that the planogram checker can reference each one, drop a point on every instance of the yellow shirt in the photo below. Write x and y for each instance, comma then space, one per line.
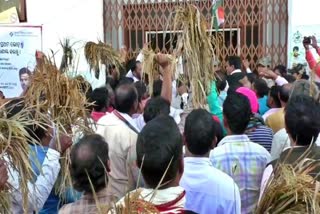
276, 121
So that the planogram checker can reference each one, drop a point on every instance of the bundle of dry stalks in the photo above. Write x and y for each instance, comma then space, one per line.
101, 53
151, 68
197, 50
292, 190
14, 148
64, 102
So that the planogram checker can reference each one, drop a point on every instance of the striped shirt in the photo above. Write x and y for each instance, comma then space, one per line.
262, 135
245, 162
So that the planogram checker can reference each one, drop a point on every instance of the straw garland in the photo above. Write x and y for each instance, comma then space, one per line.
198, 51
64, 102
14, 147
291, 190
101, 53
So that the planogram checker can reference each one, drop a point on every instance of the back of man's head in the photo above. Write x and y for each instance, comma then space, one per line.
237, 112
284, 92
199, 132
234, 61
99, 97
159, 149
141, 89
156, 106
260, 87
302, 119
126, 98
302, 87
89, 162
274, 96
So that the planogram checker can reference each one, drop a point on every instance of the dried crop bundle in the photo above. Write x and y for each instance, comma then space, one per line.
101, 53
14, 148
65, 104
151, 68
291, 190
197, 50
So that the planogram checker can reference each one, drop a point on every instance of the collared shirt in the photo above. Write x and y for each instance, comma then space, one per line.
244, 161
122, 153
208, 190
40, 189
167, 201
236, 71
276, 121
270, 112
87, 204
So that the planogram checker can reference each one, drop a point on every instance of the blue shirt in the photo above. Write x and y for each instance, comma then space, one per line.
263, 105
37, 155
208, 190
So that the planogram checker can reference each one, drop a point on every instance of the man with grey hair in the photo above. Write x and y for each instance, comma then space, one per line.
281, 139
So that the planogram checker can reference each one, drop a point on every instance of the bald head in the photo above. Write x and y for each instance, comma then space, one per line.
126, 99
89, 159
285, 92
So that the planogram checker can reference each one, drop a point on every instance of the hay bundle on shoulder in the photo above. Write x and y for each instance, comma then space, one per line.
65, 104
15, 119
195, 45
292, 190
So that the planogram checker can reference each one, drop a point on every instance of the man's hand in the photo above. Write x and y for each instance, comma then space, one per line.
65, 142
246, 63
267, 73
3, 174
163, 60
314, 42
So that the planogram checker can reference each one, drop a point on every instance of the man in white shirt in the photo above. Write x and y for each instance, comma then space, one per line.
41, 188
120, 132
208, 190
135, 72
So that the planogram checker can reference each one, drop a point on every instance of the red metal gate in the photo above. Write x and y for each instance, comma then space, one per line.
252, 29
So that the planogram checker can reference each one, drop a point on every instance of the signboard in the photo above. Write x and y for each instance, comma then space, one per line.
18, 45
296, 50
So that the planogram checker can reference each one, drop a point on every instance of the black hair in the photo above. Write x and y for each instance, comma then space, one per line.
156, 106
252, 77
89, 159
295, 48
24, 71
99, 97
237, 112
141, 89
158, 144
125, 97
274, 94
285, 92
157, 87
199, 132
234, 61
289, 78
282, 69
261, 87
125, 81
302, 118
135, 65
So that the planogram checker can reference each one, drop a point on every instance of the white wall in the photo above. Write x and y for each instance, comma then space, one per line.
79, 20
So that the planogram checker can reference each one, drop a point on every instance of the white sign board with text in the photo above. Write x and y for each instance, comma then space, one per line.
18, 45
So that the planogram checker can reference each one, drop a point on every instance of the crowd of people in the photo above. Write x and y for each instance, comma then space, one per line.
179, 159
